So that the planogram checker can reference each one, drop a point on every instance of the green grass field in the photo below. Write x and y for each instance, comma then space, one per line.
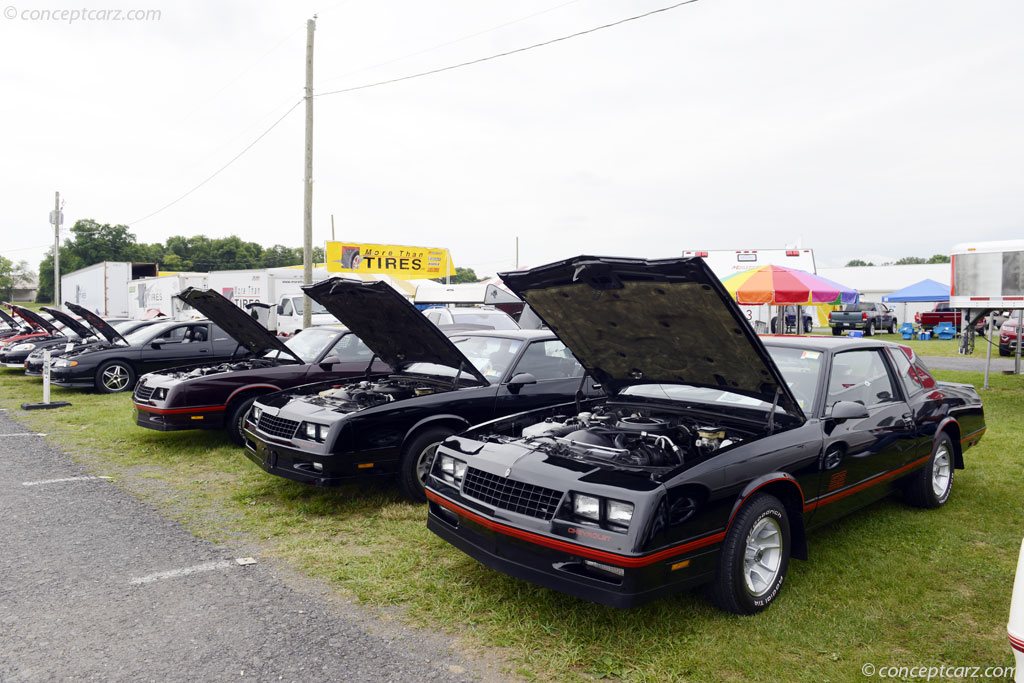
892, 585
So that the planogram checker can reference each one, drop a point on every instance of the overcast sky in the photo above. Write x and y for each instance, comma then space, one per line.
872, 129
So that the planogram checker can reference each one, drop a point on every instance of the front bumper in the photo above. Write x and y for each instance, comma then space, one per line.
525, 555
178, 419
284, 460
72, 377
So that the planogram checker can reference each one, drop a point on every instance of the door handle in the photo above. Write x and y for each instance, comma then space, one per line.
595, 386
203, 350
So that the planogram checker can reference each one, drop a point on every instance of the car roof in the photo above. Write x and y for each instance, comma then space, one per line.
819, 343
523, 335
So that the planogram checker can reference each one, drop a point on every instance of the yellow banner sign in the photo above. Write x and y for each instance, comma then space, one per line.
406, 263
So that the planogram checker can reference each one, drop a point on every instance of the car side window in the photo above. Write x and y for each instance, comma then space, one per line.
286, 307
173, 335
348, 348
195, 333
860, 376
905, 371
549, 360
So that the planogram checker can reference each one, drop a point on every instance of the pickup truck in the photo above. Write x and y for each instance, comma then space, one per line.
866, 315
942, 313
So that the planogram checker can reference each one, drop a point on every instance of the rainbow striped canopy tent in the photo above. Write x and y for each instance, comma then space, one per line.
781, 286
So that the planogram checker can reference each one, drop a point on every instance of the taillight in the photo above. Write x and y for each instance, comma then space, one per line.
863, 316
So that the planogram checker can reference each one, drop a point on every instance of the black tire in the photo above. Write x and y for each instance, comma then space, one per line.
870, 329
808, 326
892, 326
236, 418
1004, 352
745, 585
417, 457
114, 377
837, 331
931, 485
773, 325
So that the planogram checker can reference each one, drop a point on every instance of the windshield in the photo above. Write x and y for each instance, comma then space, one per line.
316, 309
492, 356
800, 368
307, 344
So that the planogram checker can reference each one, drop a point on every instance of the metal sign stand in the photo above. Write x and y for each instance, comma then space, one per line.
46, 404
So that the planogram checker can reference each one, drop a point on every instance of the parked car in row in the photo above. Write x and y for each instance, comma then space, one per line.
114, 365
331, 432
73, 332
34, 360
1009, 337
484, 317
15, 348
218, 395
714, 455
868, 316
8, 326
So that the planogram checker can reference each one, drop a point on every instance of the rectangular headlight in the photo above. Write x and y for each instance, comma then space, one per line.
587, 507
620, 513
256, 412
452, 470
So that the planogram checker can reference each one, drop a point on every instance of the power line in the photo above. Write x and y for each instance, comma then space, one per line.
222, 168
450, 42
506, 54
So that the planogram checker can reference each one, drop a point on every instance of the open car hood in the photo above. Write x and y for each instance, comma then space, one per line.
69, 322
389, 325
36, 320
667, 321
242, 327
11, 322
98, 323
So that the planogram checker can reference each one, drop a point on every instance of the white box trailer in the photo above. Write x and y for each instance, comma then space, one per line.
726, 262
274, 294
103, 287
152, 295
987, 276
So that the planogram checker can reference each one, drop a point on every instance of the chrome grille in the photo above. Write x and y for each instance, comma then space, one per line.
507, 494
143, 392
278, 426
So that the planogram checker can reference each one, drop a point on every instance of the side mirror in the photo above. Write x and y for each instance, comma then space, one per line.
155, 344
519, 381
330, 360
848, 410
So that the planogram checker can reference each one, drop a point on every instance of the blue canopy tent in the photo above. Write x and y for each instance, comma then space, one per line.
923, 291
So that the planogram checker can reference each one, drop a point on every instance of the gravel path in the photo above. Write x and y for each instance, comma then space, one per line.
95, 585
973, 363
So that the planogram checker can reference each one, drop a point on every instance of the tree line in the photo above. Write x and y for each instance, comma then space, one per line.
905, 261
92, 242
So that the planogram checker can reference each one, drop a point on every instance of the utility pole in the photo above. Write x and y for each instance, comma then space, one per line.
56, 249
307, 209
332, 231
517, 253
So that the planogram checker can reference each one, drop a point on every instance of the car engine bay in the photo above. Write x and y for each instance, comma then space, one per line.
630, 438
229, 366
346, 398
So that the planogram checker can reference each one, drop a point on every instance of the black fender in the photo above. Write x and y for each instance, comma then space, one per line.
785, 487
447, 419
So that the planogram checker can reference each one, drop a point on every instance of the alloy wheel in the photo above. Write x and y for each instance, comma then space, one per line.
763, 556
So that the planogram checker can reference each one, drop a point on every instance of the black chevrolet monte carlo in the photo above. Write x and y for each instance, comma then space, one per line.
218, 395
114, 365
329, 433
714, 454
